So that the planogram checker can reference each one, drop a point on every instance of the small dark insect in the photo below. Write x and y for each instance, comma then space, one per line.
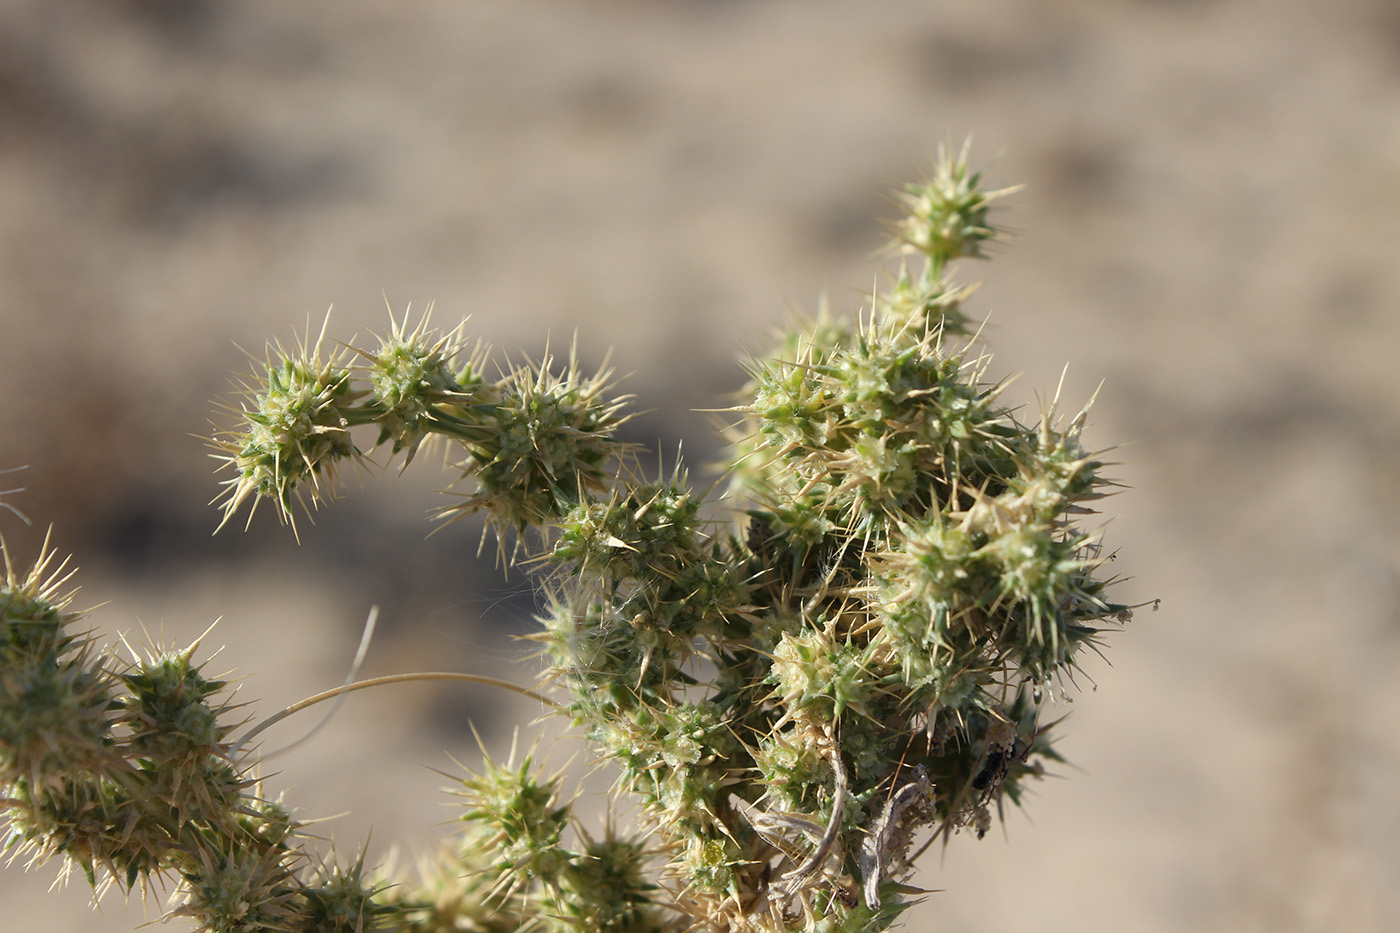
987, 782
998, 764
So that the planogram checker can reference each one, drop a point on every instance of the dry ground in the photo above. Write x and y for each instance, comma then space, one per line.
1210, 225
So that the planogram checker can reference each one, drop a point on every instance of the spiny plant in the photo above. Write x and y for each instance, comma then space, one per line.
804, 683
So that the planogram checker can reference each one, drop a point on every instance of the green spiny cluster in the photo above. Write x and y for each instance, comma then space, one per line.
800, 685
123, 769
535, 441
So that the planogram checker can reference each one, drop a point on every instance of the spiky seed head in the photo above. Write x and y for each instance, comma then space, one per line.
294, 431
416, 382
947, 212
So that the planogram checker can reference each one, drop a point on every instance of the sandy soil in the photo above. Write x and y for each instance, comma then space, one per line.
1209, 226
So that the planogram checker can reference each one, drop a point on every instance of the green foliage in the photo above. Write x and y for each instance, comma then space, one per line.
800, 685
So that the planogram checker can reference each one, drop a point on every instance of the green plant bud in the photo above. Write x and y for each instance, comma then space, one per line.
31, 629
1044, 585
818, 675
710, 861
947, 213
551, 441
673, 759
877, 477
792, 769
412, 379
642, 532
522, 815
338, 901
176, 738
232, 890
631, 736
1056, 471
695, 734
914, 309
295, 431
696, 751
791, 404
606, 890
167, 712
616, 661
932, 563
35, 626
89, 821
874, 379
55, 717
925, 402
708, 598
903, 425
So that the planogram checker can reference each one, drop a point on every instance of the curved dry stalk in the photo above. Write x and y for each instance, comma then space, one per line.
380, 681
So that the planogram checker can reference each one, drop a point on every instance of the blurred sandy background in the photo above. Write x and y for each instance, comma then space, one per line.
1210, 225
